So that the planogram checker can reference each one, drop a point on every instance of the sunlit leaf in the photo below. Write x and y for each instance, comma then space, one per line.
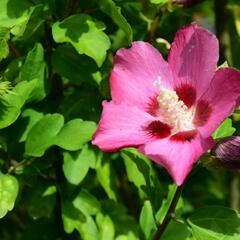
147, 221
34, 69
71, 136
87, 203
77, 164
85, 34
224, 130
161, 2
41, 137
106, 227
8, 193
105, 175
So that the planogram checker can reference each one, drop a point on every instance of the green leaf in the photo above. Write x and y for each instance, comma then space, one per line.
29, 117
224, 130
3, 49
174, 227
161, 213
38, 15
12, 102
110, 8
106, 227
88, 229
4, 37
147, 221
76, 68
42, 134
8, 193
129, 236
11, 73
138, 168
214, 223
133, 173
161, 2
71, 136
15, 15
105, 176
85, 34
71, 216
34, 69
74, 219
87, 203
77, 164
74, 134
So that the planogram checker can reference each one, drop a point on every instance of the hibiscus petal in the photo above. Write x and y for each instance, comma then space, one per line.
121, 126
219, 101
134, 73
193, 58
177, 157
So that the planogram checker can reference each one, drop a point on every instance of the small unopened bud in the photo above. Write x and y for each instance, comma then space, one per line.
228, 152
188, 3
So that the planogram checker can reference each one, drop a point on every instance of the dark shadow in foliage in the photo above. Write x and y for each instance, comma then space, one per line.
13, 147
13, 134
71, 212
42, 229
68, 193
123, 222
76, 68
16, 8
84, 104
37, 202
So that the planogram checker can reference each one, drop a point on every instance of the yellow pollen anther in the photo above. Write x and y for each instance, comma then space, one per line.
174, 111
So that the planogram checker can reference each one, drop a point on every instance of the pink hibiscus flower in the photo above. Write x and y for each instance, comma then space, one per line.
168, 110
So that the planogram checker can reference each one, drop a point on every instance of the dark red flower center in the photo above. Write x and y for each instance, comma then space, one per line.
184, 136
158, 129
153, 106
187, 94
202, 113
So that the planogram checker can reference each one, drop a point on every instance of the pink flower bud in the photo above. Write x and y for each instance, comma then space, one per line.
228, 152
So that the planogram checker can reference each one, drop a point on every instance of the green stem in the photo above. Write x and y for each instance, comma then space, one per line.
153, 29
170, 214
234, 190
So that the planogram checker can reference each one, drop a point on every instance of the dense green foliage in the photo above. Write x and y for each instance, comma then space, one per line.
56, 56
